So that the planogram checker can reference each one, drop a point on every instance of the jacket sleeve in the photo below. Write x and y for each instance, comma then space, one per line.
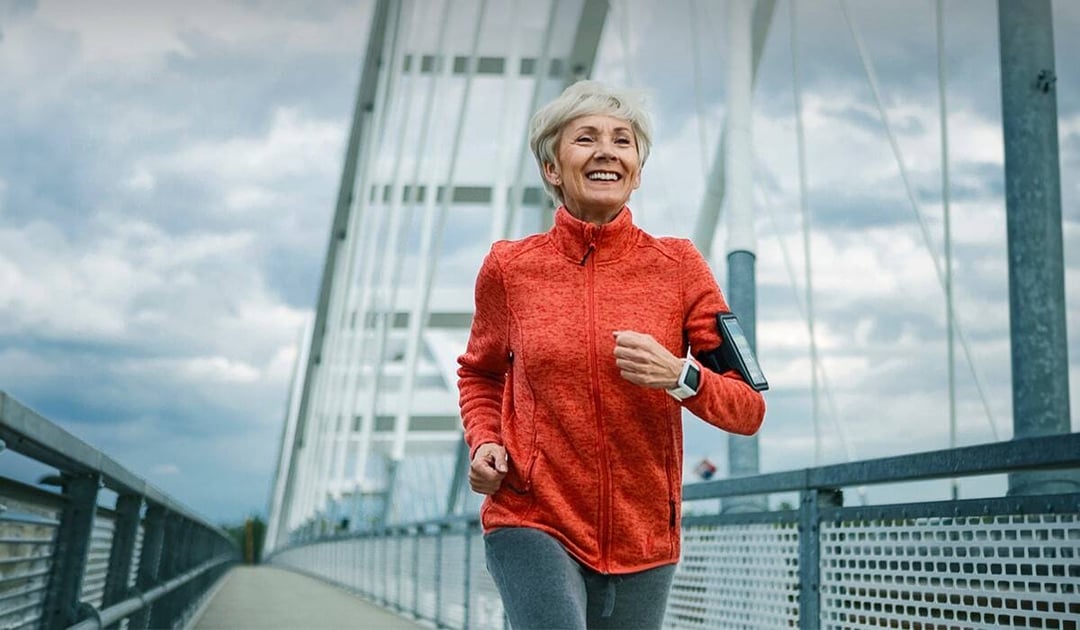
483, 367
723, 400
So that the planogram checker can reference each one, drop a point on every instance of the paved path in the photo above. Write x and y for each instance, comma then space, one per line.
268, 597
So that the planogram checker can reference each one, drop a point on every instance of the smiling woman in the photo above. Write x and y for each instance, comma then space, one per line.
573, 381
597, 167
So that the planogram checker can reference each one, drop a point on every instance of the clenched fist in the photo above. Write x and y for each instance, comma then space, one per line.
643, 361
488, 468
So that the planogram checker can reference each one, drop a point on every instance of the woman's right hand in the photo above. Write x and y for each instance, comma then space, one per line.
488, 468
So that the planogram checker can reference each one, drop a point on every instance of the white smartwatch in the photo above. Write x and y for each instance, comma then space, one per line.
689, 381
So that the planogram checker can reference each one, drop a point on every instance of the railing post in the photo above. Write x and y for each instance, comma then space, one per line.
416, 573
438, 574
388, 533
401, 533
810, 503
161, 615
125, 531
149, 560
468, 571
189, 559
61, 606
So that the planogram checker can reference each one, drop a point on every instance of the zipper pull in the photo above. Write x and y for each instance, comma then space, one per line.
587, 252
592, 232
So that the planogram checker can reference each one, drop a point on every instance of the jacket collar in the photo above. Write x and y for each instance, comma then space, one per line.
580, 240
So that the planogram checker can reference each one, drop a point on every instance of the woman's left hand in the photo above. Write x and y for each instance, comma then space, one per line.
643, 361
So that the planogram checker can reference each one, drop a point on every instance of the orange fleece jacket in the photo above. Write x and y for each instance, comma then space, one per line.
595, 460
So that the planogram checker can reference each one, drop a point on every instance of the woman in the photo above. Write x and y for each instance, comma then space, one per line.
577, 341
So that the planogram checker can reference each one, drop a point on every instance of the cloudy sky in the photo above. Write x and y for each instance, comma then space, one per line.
168, 171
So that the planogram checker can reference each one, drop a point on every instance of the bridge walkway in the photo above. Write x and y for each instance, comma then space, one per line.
269, 597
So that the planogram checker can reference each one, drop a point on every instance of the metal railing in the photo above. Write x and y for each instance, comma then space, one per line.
977, 563
68, 561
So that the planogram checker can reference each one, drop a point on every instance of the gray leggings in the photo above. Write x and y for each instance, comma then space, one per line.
544, 587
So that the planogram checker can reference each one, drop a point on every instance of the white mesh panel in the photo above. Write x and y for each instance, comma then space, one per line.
425, 604
378, 567
97, 561
485, 606
452, 580
408, 572
393, 570
971, 572
744, 576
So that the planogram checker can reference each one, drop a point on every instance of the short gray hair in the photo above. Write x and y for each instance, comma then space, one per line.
586, 98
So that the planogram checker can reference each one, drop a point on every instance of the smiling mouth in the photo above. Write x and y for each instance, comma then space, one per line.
603, 176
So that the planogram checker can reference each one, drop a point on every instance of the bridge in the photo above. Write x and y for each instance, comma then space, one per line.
370, 522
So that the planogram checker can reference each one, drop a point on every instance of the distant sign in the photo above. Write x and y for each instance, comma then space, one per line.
705, 469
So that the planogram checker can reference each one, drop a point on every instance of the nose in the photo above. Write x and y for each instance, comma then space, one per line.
604, 150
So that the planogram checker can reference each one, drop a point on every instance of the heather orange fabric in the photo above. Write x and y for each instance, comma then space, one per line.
595, 460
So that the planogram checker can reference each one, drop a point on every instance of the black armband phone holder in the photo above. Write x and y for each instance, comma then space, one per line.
734, 353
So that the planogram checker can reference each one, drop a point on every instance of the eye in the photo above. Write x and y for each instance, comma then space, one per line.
623, 141
584, 138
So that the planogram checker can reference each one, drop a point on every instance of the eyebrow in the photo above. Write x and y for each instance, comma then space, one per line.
596, 129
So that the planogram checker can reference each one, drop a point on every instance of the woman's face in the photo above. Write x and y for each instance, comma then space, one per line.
596, 166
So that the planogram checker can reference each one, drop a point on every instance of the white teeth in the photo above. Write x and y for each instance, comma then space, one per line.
603, 176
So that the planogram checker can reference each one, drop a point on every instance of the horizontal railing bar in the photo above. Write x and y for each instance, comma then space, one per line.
96, 575
26, 541
1052, 451
41, 587
24, 576
966, 508
29, 520
32, 495
19, 559
120, 610
749, 518
26, 623
26, 432
19, 609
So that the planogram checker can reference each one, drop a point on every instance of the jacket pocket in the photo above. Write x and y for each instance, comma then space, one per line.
673, 511
519, 480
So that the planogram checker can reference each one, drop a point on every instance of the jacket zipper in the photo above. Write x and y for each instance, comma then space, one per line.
587, 252
673, 458
594, 364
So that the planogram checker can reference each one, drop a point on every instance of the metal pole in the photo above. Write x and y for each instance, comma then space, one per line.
947, 220
122, 549
468, 571
810, 504
61, 606
438, 574
742, 243
161, 615
713, 199
416, 573
365, 98
1040, 365
149, 559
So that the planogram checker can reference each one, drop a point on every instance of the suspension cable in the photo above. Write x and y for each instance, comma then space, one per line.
817, 365
804, 206
695, 47
946, 195
927, 240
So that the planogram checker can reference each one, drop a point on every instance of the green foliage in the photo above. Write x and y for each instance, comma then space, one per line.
249, 536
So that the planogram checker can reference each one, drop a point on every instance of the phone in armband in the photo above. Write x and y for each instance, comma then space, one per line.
736, 353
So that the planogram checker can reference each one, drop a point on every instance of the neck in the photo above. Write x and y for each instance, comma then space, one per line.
596, 216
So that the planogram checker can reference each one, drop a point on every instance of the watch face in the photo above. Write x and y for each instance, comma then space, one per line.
693, 376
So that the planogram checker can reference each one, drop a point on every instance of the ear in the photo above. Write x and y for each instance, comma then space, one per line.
551, 174
636, 180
